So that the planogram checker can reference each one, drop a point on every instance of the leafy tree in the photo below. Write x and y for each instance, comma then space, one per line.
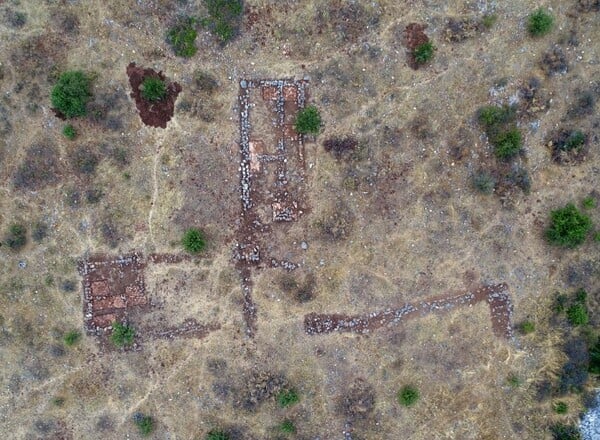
71, 93
568, 227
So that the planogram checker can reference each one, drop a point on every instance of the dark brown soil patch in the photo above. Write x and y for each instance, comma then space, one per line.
340, 147
414, 36
158, 113
359, 400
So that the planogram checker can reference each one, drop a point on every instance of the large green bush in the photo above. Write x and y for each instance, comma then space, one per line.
71, 93
568, 227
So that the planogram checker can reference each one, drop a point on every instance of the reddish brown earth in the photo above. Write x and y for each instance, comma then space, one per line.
497, 297
153, 114
414, 36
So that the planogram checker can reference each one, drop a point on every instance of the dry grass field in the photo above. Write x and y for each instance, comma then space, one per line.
359, 229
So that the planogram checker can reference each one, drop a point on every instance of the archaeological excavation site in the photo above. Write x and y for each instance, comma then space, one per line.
300, 219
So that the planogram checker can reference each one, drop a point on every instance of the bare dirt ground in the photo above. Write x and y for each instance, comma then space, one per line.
318, 236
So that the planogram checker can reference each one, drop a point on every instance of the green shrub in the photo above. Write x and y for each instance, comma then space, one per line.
69, 132
193, 240
560, 431
484, 182
144, 423
182, 38
527, 327
71, 93
308, 121
577, 314
423, 53
576, 139
287, 397
489, 20
71, 338
16, 237
408, 395
223, 18
122, 335
539, 23
514, 381
287, 427
568, 227
153, 89
581, 296
508, 143
589, 202
217, 434
492, 115
560, 408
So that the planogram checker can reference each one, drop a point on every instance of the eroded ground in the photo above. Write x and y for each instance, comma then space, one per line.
392, 221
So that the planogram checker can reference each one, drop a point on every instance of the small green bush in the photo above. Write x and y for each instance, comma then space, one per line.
308, 121
527, 327
508, 143
71, 93
71, 338
287, 427
514, 381
539, 23
560, 431
217, 434
568, 227
193, 240
287, 397
423, 53
408, 395
560, 408
489, 20
16, 238
122, 335
577, 314
69, 132
575, 140
589, 202
153, 89
223, 18
182, 38
144, 423
484, 182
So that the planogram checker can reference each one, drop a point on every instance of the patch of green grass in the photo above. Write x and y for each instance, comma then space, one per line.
539, 23
71, 93
568, 227
561, 431
217, 434
287, 427
560, 407
71, 338
423, 53
308, 121
182, 37
223, 18
589, 202
287, 397
408, 395
527, 327
513, 380
193, 240
577, 314
508, 143
16, 238
122, 335
69, 132
489, 20
144, 423
153, 89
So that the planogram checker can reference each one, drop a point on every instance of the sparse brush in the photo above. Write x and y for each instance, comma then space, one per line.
16, 238
561, 431
489, 20
182, 37
514, 381
484, 182
589, 202
223, 18
560, 408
